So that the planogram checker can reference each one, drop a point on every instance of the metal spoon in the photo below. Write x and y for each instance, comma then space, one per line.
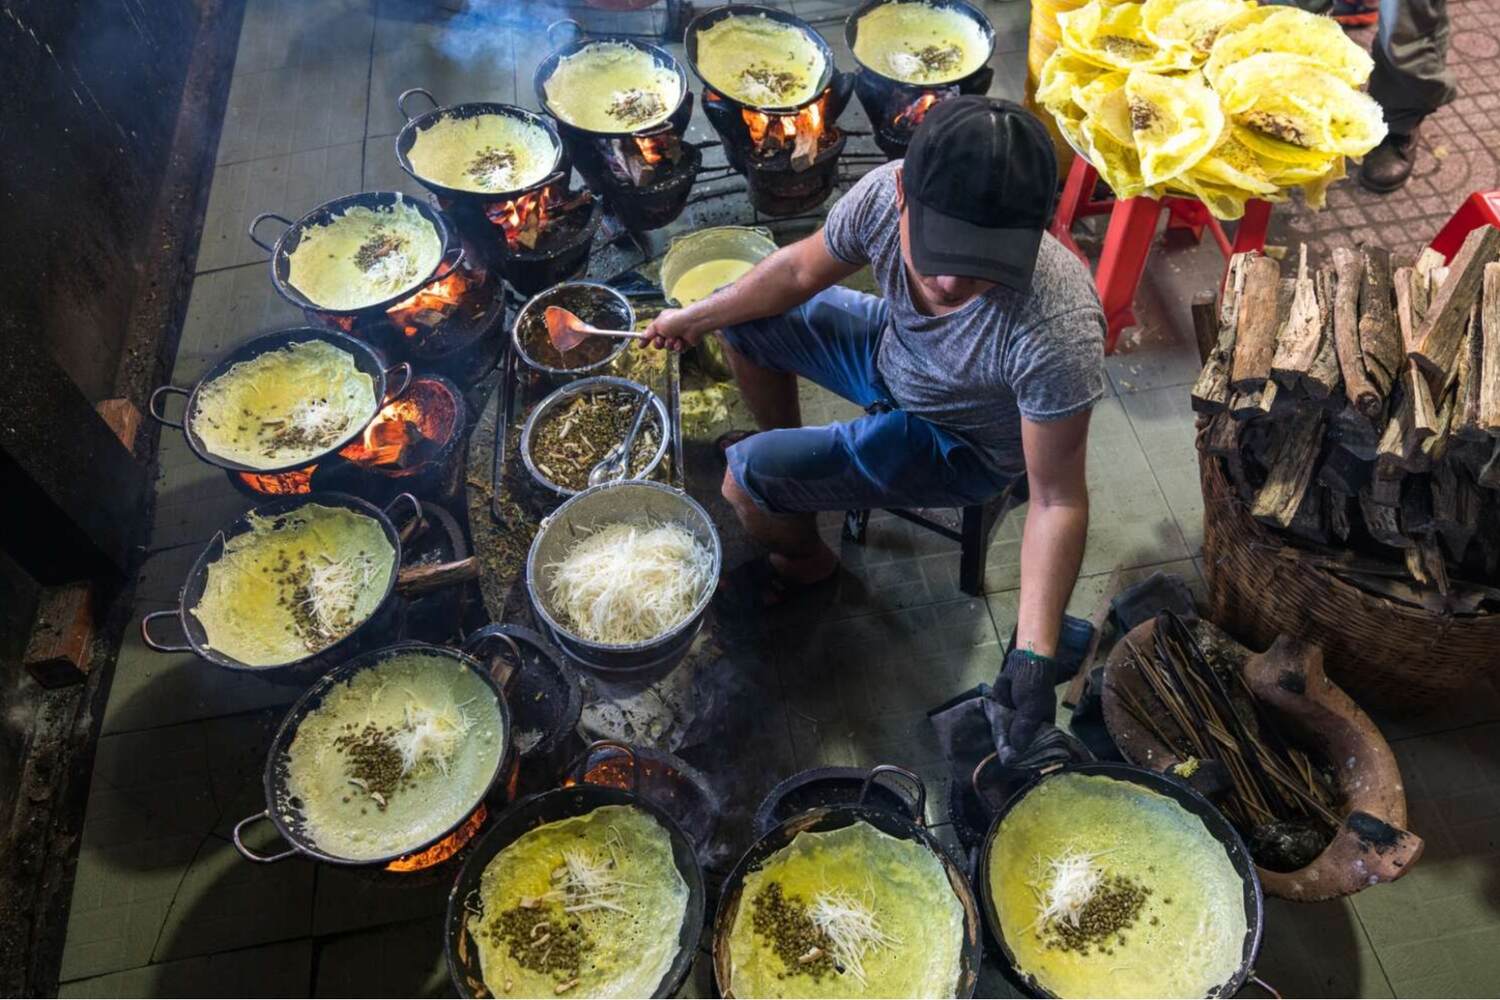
616, 462
567, 331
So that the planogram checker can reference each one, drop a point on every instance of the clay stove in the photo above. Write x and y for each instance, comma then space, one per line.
895, 109
543, 235
790, 161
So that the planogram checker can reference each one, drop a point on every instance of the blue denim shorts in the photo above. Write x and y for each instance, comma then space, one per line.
886, 459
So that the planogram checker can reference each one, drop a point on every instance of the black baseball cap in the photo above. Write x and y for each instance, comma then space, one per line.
980, 179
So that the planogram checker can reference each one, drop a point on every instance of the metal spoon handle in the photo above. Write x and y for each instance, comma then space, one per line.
635, 428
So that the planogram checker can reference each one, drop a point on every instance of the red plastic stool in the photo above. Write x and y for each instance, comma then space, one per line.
1132, 227
1482, 208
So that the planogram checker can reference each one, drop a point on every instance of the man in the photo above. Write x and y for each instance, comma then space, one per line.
978, 365
1411, 80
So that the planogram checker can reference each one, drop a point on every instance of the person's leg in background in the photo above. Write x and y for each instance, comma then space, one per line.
1410, 82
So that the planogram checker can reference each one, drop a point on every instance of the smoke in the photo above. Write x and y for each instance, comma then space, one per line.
498, 32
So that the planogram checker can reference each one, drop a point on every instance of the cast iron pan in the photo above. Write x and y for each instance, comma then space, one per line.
281, 251
461, 112
851, 32
714, 15
550, 807
366, 358
284, 810
272, 510
1218, 826
905, 826
658, 55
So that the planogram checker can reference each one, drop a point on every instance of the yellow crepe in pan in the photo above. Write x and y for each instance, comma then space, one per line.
482, 153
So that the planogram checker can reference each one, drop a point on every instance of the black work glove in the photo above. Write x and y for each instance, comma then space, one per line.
1025, 686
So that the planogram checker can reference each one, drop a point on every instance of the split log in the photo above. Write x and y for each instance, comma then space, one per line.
1416, 506
1489, 368
1349, 266
1223, 441
1435, 448
1423, 413
1379, 339
1352, 432
1444, 326
1343, 471
1382, 521
1211, 391
1322, 378
1256, 325
1337, 505
1290, 472
421, 579
1301, 334
1244, 405
1455, 511
1308, 523
1467, 423
1205, 313
1424, 560
1488, 474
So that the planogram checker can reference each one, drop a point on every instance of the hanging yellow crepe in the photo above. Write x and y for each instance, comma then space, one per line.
920, 42
365, 256
1188, 935
760, 61
1111, 35
602, 888
483, 153
612, 87
1232, 164
1111, 142
283, 406
1316, 191
294, 585
1194, 23
1224, 201
1176, 121
1063, 74
433, 713
1319, 41
1322, 113
855, 874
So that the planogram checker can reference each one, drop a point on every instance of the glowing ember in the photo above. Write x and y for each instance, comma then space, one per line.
443, 849
911, 116
526, 219
432, 304
804, 133
408, 431
280, 484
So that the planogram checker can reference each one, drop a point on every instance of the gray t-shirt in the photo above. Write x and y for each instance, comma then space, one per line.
975, 372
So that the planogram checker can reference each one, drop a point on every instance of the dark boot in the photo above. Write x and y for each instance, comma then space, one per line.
1389, 164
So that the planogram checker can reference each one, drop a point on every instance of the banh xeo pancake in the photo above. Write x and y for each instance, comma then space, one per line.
920, 42
1107, 889
589, 906
483, 153
1194, 23
1176, 120
1320, 41
364, 256
760, 61
295, 584
1112, 36
284, 406
395, 756
851, 912
612, 87
1326, 114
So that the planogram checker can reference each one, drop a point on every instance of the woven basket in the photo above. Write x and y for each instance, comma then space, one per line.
1402, 658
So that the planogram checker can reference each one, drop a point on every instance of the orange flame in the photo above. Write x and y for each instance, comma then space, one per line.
802, 132
911, 116
443, 849
653, 147
429, 306
280, 484
522, 219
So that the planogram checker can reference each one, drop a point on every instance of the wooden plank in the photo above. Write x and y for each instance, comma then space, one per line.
1302, 332
1489, 365
1256, 326
1424, 414
1349, 266
1379, 339
1444, 326
1322, 378
1291, 470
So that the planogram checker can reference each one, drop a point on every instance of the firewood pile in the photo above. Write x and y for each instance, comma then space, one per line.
1355, 405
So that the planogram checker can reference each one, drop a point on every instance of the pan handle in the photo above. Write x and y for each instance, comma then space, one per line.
573, 28
401, 101
262, 217
480, 638
919, 811
580, 765
249, 855
416, 506
404, 370
157, 414
457, 253
160, 647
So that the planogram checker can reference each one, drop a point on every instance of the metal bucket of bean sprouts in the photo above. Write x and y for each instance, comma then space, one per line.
622, 574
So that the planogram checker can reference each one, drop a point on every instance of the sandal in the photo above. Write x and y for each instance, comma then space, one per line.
754, 585
728, 440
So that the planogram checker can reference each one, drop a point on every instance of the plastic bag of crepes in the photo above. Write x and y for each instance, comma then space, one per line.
1220, 100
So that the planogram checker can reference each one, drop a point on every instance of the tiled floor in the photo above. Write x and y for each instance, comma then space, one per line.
163, 905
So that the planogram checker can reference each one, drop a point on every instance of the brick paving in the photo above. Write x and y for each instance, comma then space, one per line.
162, 904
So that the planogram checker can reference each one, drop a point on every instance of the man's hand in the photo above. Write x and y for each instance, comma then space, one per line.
1025, 686
672, 330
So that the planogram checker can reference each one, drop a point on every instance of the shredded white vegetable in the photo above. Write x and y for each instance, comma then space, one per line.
318, 420
852, 929
333, 590
628, 583
1068, 886
432, 732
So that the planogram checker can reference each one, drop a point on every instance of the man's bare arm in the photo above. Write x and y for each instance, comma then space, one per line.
784, 280
1057, 521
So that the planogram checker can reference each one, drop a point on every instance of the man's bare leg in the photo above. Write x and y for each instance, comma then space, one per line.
797, 552
771, 395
